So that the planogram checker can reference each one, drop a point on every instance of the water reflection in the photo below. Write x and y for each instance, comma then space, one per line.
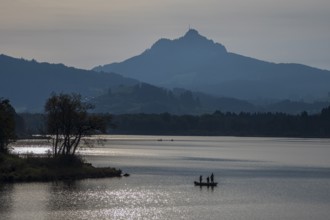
23, 201
6, 200
102, 199
60, 196
254, 182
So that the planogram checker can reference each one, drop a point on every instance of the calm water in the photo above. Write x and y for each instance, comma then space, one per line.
258, 178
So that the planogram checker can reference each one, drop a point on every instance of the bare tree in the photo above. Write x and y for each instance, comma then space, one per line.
68, 122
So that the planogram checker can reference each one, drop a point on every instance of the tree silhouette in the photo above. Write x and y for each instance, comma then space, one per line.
7, 125
68, 121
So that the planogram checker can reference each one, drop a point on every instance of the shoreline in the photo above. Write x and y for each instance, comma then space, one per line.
15, 169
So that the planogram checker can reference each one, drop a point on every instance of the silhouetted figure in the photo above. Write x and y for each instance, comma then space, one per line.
208, 180
212, 178
200, 178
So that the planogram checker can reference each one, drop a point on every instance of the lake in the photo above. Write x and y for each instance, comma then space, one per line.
258, 178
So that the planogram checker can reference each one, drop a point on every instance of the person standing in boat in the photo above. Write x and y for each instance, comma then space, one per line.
200, 178
212, 178
208, 180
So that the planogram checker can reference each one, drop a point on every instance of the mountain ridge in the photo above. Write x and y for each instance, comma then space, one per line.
196, 63
29, 83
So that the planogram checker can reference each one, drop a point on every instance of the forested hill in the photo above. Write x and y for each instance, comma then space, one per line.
146, 98
27, 84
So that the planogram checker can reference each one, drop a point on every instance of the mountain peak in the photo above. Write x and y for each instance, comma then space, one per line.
192, 32
196, 40
191, 40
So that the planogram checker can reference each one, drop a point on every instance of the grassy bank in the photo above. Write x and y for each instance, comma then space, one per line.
33, 168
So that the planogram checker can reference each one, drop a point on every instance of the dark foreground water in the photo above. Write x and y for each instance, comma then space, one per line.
258, 178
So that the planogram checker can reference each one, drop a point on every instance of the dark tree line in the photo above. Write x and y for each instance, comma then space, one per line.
218, 123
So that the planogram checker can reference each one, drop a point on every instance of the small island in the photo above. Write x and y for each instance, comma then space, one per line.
32, 168
67, 123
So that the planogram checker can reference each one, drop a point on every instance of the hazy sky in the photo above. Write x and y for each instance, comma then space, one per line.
86, 33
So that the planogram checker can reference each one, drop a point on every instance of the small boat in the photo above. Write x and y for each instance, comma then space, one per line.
205, 184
